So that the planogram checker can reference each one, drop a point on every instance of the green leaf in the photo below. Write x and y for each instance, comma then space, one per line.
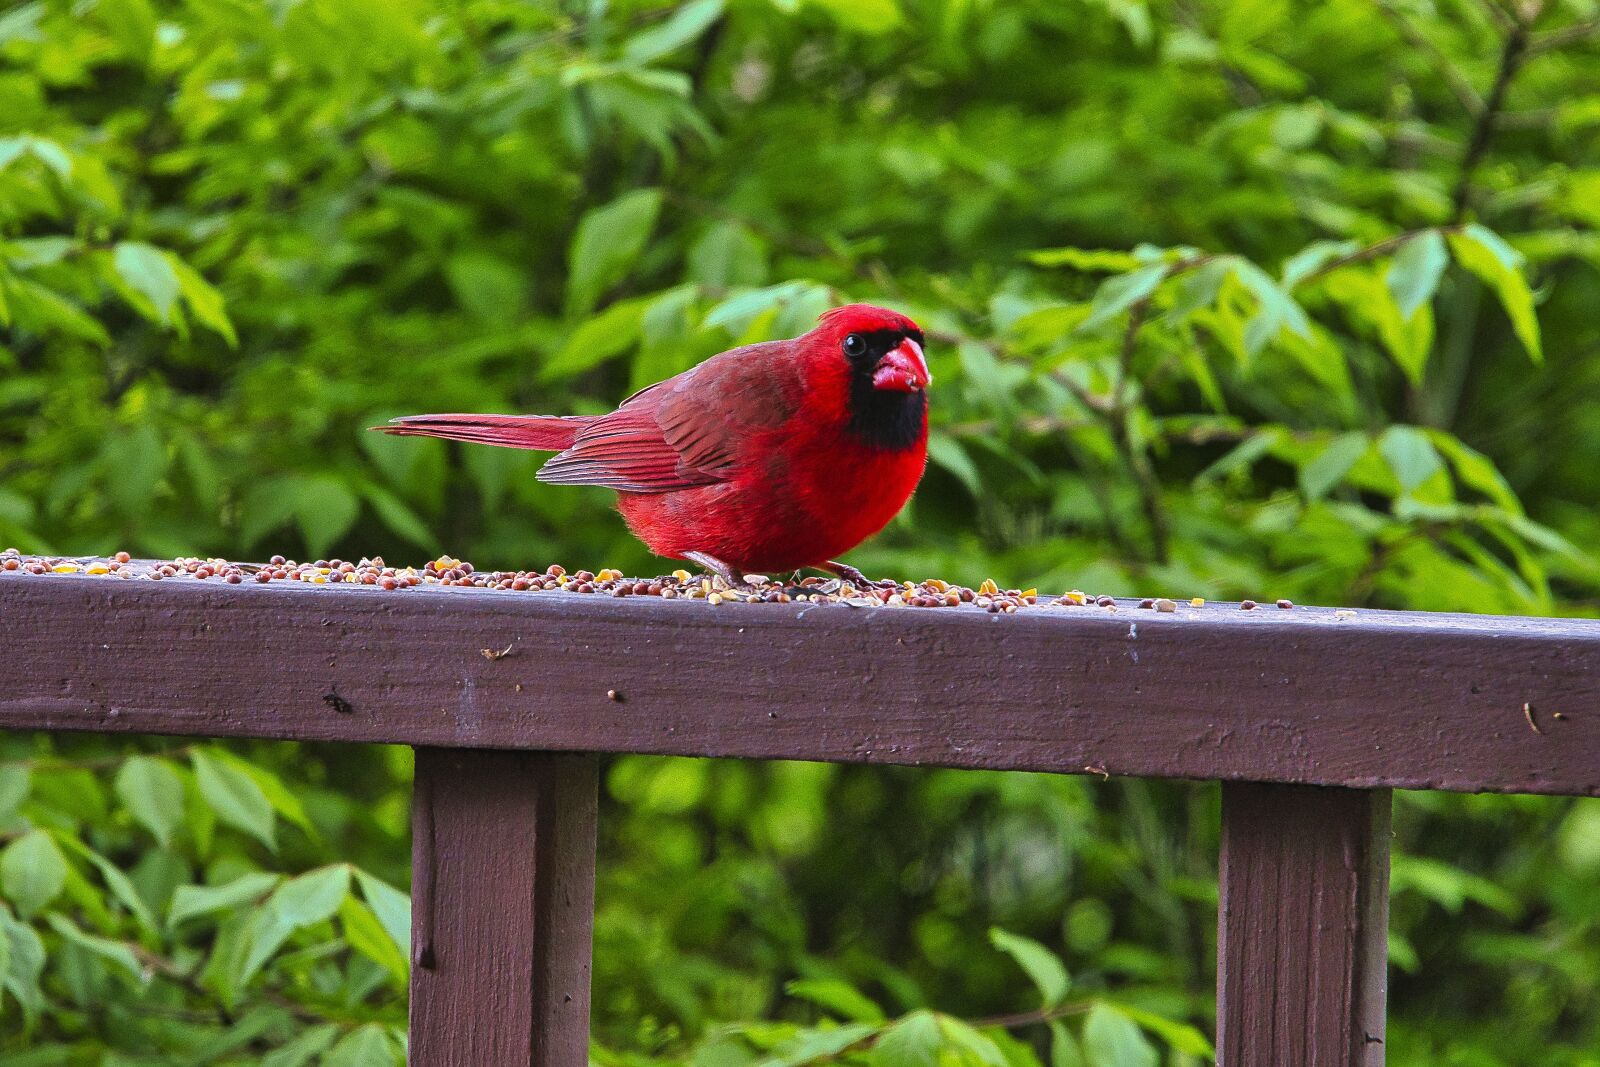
1064, 1048
398, 517
392, 907
1411, 456
32, 871
299, 1052
819, 1044
1414, 274
190, 901
948, 453
284, 800
153, 794
1118, 294
11, 149
26, 956
325, 509
603, 337
1042, 966
1313, 258
51, 155
978, 1047
1277, 308
367, 1047
16, 779
1499, 266
311, 898
1085, 259
121, 887
838, 997
235, 797
44, 311
863, 16
1327, 468
914, 1041
737, 312
205, 302
1198, 288
727, 255
1111, 1039
366, 935
687, 23
1180, 1036
117, 952
607, 241
148, 272
487, 287
1476, 470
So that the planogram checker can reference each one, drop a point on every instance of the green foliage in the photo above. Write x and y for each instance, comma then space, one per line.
1230, 299
144, 925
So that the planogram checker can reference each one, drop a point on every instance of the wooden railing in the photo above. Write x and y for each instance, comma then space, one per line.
1308, 716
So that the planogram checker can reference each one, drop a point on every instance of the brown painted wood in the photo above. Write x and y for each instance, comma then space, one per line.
1302, 927
502, 908
1409, 700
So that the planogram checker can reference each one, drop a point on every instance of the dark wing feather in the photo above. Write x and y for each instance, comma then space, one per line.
687, 430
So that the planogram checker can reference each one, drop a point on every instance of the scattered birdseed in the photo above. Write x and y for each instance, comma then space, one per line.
1247, 605
1197, 602
1285, 603
680, 584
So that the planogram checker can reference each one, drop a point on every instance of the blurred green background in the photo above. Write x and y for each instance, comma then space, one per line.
1225, 299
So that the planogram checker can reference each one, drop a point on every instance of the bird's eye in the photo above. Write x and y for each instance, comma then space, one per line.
855, 345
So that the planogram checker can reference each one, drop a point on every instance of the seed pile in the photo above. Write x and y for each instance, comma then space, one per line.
679, 585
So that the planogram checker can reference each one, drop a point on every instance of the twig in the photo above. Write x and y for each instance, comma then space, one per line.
1372, 251
1029, 1018
1416, 38
1555, 39
1512, 54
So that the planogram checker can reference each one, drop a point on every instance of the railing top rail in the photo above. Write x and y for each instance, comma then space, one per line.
1369, 699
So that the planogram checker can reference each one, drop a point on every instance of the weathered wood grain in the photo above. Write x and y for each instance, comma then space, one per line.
1304, 696
502, 908
1301, 951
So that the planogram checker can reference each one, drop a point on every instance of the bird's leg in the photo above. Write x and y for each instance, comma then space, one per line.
719, 568
848, 573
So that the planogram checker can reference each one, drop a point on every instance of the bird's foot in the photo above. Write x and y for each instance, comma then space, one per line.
855, 577
734, 579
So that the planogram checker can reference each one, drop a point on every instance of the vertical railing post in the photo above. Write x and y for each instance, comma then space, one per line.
502, 908
1302, 927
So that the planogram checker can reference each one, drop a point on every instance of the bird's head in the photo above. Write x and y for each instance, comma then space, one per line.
882, 347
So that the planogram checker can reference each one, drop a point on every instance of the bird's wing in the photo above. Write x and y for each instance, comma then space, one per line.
687, 430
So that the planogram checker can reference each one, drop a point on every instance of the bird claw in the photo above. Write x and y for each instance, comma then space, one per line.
856, 578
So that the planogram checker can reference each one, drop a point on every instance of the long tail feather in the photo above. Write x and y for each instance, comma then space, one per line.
543, 433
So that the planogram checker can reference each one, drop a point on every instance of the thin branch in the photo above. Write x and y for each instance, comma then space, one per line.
1557, 39
1470, 100
1498, 14
1030, 1018
1512, 54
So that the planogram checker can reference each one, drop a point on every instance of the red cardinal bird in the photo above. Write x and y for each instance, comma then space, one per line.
769, 457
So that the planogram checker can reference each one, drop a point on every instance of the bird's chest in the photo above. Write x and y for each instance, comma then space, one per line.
841, 490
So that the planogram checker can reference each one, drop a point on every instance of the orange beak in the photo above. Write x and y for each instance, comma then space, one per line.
903, 370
